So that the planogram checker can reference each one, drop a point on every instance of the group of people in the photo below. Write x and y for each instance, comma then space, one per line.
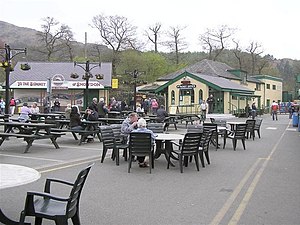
133, 124
12, 106
25, 111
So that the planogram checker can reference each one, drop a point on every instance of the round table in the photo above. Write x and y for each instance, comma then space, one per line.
15, 175
168, 145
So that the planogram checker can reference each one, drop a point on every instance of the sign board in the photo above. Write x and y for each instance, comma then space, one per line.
186, 86
64, 85
114, 83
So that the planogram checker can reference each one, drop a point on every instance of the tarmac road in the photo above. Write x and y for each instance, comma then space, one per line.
260, 185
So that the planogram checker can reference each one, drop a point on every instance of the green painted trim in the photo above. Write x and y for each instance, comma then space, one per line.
267, 77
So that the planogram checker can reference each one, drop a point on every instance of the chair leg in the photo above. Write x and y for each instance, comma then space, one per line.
76, 219
103, 154
129, 162
197, 161
61, 221
224, 142
168, 159
258, 132
117, 156
38, 221
234, 143
202, 158
180, 163
207, 157
243, 141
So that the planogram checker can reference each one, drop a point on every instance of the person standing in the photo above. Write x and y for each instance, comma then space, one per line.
56, 105
210, 101
154, 106
274, 109
12, 106
289, 107
253, 110
203, 107
2, 106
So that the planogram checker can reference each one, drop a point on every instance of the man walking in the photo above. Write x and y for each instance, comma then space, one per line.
274, 108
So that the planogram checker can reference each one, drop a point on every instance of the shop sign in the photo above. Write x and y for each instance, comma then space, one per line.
186, 86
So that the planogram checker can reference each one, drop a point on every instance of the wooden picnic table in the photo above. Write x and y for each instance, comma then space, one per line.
30, 132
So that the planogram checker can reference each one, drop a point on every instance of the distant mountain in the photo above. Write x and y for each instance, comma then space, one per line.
17, 37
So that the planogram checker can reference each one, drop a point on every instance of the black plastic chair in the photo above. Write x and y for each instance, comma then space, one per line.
109, 142
44, 205
238, 134
215, 136
140, 144
188, 147
156, 127
250, 128
258, 123
194, 128
204, 147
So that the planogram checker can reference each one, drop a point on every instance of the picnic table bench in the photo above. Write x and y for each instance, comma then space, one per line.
29, 132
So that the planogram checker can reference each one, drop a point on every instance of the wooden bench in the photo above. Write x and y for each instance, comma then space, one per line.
83, 133
29, 138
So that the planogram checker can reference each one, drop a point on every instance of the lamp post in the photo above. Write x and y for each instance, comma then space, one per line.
86, 66
9, 54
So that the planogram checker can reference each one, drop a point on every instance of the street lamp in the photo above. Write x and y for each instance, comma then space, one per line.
135, 75
8, 55
86, 66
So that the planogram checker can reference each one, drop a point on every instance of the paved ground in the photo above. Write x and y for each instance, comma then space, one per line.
257, 186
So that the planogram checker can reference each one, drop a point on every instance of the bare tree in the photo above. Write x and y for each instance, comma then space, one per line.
255, 50
177, 42
52, 39
116, 32
237, 53
67, 40
215, 40
154, 34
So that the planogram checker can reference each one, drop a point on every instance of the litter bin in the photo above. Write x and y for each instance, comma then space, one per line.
295, 119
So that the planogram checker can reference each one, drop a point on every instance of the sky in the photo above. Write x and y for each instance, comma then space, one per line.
274, 24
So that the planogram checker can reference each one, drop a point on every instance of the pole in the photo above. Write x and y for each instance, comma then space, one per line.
87, 77
134, 95
7, 72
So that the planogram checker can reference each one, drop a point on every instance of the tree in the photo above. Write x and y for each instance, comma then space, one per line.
154, 34
176, 42
117, 33
52, 40
255, 50
237, 53
215, 40
67, 40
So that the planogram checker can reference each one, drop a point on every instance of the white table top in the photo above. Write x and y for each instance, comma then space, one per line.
15, 175
163, 136
234, 122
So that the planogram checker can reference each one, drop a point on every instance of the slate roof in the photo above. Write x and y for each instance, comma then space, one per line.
40, 71
222, 82
207, 67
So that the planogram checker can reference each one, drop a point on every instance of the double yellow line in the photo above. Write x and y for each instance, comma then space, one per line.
248, 194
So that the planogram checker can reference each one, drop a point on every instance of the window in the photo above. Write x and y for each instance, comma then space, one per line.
173, 98
234, 97
200, 96
268, 86
274, 87
258, 87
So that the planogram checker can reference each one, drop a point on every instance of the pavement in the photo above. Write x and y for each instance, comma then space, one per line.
259, 185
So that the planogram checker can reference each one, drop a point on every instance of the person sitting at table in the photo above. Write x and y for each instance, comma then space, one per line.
90, 115
24, 113
34, 110
128, 125
75, 119
102, 109
142, 128
68, 111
